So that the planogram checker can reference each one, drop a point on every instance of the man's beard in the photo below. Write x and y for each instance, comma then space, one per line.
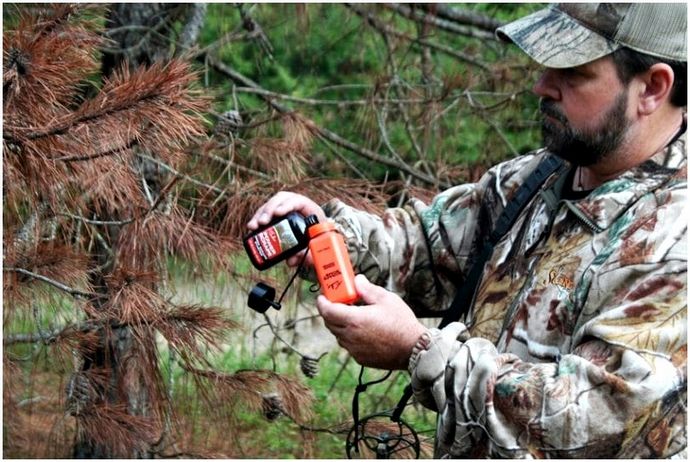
584, 147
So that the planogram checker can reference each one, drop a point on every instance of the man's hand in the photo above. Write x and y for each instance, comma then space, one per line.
281, 204
379, 334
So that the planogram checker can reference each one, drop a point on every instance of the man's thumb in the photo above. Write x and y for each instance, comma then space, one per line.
370, 293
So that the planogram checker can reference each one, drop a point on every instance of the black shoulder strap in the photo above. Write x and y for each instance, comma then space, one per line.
465, 295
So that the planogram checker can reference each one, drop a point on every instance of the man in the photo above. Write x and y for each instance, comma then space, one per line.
575, 344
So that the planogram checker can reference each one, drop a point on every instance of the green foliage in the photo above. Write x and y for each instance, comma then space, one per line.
333, 389
327, 51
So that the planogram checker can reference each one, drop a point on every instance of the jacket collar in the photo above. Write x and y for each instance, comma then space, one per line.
608, 202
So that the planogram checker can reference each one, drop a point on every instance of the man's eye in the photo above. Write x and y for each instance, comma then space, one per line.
572, 75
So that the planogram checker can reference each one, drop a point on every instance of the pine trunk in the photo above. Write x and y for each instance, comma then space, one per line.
141, 45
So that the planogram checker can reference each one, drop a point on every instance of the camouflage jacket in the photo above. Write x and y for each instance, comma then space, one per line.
575, 345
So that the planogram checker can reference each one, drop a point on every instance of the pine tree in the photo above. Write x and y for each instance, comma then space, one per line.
93, 208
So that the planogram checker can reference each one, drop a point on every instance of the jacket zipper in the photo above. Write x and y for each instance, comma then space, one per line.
583, 218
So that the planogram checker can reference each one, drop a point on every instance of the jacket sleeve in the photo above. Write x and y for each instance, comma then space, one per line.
620, 392
419, 251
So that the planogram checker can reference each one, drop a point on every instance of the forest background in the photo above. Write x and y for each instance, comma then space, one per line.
137, 141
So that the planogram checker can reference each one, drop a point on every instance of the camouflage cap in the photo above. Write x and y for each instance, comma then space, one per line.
571, 34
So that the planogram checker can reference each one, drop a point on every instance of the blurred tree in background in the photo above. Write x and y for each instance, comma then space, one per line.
139, 134
418, 92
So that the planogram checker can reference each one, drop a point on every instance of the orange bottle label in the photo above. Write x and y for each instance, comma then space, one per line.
332, 265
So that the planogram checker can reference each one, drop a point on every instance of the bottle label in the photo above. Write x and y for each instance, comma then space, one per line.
273, 241
333, 268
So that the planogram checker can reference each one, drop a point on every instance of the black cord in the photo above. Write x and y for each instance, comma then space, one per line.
292, 279
361, 386
355, 402
400, 407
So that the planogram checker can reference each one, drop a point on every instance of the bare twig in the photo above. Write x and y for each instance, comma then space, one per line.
276, 335
155, 204
467, 17
428, 18
52, 336
371, 155
340, 372
52, 282
224, 40
364, 86
237, 166
408, 129
374, 22
149, 31
331, 102
500, 133
381, 119
30, 401
117, 150
340, 156
323, 133
509, 97
180, 174
47, 339
255, 31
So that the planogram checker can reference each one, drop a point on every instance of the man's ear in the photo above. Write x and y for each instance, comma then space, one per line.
655, 87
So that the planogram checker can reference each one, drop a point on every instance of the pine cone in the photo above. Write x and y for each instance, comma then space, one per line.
272, 406
309, 366
228, 124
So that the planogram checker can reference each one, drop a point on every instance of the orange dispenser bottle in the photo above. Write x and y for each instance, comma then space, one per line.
331, 262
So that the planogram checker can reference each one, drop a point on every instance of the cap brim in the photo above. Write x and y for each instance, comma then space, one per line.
554, 39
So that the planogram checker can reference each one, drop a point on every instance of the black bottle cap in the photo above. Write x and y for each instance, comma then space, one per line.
261, 298
311, 220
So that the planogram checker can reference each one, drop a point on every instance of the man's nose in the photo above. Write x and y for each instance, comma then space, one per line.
545, 87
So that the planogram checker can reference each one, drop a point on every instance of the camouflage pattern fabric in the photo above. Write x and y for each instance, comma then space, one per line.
576, 343
570, 34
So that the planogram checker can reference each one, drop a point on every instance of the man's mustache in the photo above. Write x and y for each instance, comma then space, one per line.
549, 108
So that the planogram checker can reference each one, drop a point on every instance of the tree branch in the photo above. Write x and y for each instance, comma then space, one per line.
467, 17
192, 28
36, 337
246, 81
331, 102
323, 133
97, 222
371, 155
127, 221
64, 124
52, 282
133, 142
374, 22
180, 174
255, 31
237, 166
428, 18
48, 337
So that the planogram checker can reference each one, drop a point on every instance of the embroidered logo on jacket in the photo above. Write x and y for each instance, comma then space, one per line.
564, 283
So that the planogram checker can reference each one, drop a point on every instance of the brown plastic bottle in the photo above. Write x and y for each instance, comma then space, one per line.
331, 262
280, 239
